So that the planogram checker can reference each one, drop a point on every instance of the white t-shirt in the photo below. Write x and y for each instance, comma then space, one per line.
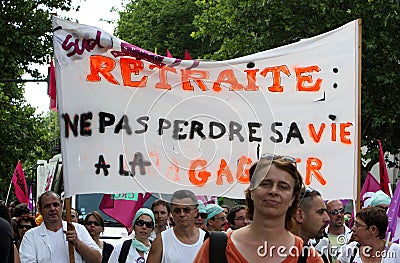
58, 244
133, 255
392, 255
174, 251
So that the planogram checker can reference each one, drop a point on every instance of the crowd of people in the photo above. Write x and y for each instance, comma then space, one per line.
281, 221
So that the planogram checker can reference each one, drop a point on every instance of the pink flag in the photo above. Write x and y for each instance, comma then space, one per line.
52, 87
187, 55
394, 217
371, 185
383, 173
169, 54
123, 207
19, 182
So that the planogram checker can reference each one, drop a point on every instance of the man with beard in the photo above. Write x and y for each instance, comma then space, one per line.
216, 218
337, 232
161, 210
311, 218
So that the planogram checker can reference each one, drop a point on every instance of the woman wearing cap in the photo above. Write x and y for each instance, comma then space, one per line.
200, 219
272, 199
94, 224
136, 250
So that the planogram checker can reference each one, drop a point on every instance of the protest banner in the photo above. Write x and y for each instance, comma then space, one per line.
135, 121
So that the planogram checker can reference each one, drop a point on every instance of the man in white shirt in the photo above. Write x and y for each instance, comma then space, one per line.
48, 242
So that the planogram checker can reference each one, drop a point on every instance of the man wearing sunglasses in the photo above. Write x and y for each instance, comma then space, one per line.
216, 218
180, 243
337, 231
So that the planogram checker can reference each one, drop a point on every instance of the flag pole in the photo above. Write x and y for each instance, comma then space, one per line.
359, 115
390, 190
8, 193
69, 228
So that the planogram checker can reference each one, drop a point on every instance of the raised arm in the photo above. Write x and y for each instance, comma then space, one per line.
156, 251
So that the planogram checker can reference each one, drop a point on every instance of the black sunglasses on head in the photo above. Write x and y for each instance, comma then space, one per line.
141, 222
307, 191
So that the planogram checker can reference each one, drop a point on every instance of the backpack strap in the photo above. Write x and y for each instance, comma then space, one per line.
354, 252
124, 251
304, 255
218, 240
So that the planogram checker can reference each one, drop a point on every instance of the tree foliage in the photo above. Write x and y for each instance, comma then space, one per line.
26, 39
245, 27
160, 25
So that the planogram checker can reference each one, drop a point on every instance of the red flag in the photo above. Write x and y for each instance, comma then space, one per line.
383, 173
168, 54
51, 91
123, 207
187, 55
370, 185
19, 182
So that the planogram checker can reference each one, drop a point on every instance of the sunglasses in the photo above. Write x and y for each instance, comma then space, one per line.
307, 191
141, 222
185, 210
24, 226
272, 157
89, 223
202, 215
335, 212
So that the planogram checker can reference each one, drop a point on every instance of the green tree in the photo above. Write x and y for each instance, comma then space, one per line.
27, 39
160, 25
249, 26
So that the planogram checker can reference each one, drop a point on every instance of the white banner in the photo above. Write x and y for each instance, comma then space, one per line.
134, 121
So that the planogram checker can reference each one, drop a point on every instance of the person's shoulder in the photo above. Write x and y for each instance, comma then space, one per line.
4, 223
